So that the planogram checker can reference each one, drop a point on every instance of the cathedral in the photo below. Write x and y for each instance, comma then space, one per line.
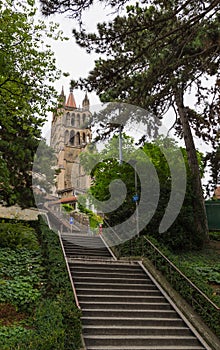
70, 134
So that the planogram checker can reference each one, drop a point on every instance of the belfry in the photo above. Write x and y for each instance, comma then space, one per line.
70, 134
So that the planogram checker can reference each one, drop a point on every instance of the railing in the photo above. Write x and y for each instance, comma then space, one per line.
179, 272
206, 308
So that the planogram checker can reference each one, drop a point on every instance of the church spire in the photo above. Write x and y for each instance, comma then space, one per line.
85, 103
71, 100
62, 97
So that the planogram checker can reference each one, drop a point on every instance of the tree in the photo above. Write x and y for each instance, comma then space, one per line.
181, 235
27, 74
153, 56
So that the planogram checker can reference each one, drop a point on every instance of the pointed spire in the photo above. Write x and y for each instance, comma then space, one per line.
62, 97
62, 92
85, 102
71, 100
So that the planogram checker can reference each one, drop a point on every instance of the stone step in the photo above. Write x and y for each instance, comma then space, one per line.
112, 280
146, 347
128, 322
84, 245
140, 340
103, 274
134, 330
125, 306
80, 251
121, 299
133, 313
109, 286
115, 266
90, 290
122, 308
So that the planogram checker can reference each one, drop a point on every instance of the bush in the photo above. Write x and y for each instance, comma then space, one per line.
17, 235
37, 281
11, 338
215, 236
58, 287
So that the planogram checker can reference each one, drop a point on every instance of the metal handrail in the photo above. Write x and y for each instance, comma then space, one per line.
184, 276
69, 272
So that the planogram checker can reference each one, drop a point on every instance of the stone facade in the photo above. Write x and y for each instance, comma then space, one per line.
70, 134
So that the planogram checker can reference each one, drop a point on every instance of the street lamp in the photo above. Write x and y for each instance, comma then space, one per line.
136, 196
120, 126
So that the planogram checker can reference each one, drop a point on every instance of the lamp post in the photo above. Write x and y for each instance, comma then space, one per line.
120, 126
136, 196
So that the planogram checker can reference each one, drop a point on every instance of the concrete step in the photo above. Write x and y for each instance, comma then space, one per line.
125, 306
86, 252
141, 340
129, 322
134, 330
146, 347
103, 274
122, 307
120, 299
114, 267
132, 313
113, 286
112, 280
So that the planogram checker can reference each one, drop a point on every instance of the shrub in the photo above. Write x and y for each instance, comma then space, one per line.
17, 235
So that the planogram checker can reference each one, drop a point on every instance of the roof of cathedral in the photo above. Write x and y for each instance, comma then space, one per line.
71, 100
86, 100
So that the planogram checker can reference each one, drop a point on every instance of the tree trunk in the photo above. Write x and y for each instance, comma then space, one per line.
200, 217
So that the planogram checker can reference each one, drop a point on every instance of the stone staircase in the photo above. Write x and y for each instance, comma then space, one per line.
122, 305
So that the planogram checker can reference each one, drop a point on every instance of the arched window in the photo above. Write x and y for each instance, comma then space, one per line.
67, 119
66, 137
72, 137
84, 138
77, 139
84, 119
78, 120
73, 119
88, 138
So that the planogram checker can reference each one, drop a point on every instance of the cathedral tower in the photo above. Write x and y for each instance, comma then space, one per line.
70, 134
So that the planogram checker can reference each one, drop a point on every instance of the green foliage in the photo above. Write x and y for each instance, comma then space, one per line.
67, 207
182, 235
27, 74
17, 235
20, 278
12, 337
50, 332
58, 286
37, 283
215, 236
44, 170
94, 219
20, 293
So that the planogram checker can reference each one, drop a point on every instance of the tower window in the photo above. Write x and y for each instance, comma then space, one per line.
72, 137
77, 139
72, 121
84, 138
78, 120
84, 118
